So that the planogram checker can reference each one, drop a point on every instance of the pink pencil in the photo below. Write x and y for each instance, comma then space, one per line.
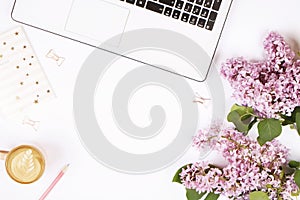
61, 173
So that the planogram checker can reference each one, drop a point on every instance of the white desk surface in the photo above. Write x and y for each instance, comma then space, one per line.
248, 23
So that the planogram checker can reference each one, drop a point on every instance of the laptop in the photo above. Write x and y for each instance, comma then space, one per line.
104, 24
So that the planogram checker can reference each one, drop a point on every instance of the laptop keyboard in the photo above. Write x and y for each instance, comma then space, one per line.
199, 13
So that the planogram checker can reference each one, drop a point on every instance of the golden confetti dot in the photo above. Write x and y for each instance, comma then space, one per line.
37, 82
17, 67
32, 56
24, 47
30, 64
38, 96
4, 43
27, 74
16, 33
36, 101
18, 98
13, 48
1, 56
24, 58
21, 83
48, 91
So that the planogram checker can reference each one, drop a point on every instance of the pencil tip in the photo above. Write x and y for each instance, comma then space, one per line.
65, 168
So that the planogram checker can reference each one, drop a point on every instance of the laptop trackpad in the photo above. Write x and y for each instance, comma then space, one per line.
97, 20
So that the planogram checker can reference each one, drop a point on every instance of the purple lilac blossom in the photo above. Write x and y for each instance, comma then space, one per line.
270, 86
251, 167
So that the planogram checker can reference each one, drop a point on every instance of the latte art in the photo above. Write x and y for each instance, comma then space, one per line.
25, 164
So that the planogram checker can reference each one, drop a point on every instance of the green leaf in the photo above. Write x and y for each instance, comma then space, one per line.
235, 107
294, 164
297, 119
241, 117
268, 129
297, 177
242, 109
246, 117
194, 195
235, 118
259, 195
260, 141
295, 111
176, 178
212, 196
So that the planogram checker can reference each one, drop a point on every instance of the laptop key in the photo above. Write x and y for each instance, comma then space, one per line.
176, 14
168, 2
141, 3
207, 3
199, 2
196, 10
188, 7
168, 11
212, 16
130, 1
204, 13
201, 22
185, 17
179, 4
193, 20
155, 7
210, 24
216, 5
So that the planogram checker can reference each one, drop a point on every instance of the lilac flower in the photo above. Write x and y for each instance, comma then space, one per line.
207, 137
201, 177
289, 187
278, 51
270, 86
250, 167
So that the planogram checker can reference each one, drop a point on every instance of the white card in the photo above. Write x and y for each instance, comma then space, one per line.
23, 83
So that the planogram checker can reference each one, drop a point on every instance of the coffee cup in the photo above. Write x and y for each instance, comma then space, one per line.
24, 164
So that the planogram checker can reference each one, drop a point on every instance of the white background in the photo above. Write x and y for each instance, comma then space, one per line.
248, 23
